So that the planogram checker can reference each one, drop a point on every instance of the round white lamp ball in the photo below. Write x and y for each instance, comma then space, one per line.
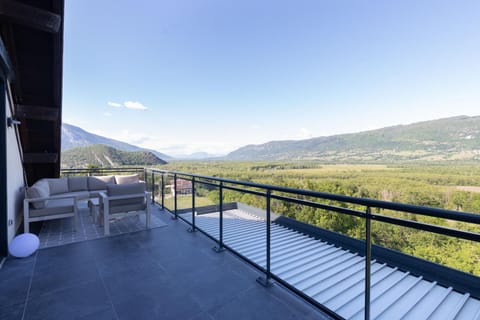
24, 245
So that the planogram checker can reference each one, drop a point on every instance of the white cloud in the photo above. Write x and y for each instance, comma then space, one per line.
134, 105
114, 104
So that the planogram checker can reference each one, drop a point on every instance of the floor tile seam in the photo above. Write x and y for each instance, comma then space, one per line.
212, 309
148, 272
277, 300
65, 265
107, 292
63, 288
32, 272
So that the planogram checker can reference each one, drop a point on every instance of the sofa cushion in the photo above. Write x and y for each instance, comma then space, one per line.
96, 193
58, 186
39, 190
80, 195
100, 182
133, 178
77, 184
126, 189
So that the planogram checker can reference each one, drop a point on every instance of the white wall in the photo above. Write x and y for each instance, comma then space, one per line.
15, 185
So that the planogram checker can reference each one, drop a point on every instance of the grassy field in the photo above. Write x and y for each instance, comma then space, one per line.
185, 202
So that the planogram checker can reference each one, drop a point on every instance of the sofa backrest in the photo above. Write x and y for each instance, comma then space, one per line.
58, 185
100, 182
126, 189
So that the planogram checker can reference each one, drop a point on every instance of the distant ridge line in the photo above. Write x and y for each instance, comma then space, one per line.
447, 139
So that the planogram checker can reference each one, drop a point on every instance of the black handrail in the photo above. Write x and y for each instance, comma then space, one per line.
90, 171
372, 203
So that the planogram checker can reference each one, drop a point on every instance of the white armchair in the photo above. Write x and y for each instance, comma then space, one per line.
125, 199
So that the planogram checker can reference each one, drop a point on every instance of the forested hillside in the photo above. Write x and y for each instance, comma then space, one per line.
104, 156
456, 138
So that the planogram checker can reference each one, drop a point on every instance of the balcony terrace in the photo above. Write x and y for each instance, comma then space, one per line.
161, 273
337, 276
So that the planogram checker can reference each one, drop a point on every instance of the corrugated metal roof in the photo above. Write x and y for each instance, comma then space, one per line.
334, 276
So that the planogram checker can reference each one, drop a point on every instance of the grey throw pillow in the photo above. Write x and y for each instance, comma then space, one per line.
77, 184
38, 190
133, 178
100, 182
58, 186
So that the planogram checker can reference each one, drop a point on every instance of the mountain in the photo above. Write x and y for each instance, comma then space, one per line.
198, 156
73, 137
456, 138
104, 156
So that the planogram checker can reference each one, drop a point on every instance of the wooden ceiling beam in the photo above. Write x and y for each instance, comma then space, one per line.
19, 13
40, 158
37, 112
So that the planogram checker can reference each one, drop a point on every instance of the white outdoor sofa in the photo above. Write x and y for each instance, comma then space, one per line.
57, 198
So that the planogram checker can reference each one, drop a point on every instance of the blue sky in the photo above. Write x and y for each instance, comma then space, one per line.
183, 76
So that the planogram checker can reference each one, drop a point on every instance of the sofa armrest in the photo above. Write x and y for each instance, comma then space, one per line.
27, 210
28, 200
104, 196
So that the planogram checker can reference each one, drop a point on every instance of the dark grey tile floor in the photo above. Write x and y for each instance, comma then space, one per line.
163, 273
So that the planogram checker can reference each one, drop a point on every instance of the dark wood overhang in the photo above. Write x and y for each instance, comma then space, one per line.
32, 32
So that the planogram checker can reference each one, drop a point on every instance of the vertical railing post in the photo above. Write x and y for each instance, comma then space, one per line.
368, 259
163, 191
175, 195
266, 281
144, 176
153, 187
193, 229
220, 247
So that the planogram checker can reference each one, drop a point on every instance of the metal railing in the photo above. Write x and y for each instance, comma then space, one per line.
269, 192
154, 177
103, 171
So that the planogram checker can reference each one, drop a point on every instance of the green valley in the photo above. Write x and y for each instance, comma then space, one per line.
439, 185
